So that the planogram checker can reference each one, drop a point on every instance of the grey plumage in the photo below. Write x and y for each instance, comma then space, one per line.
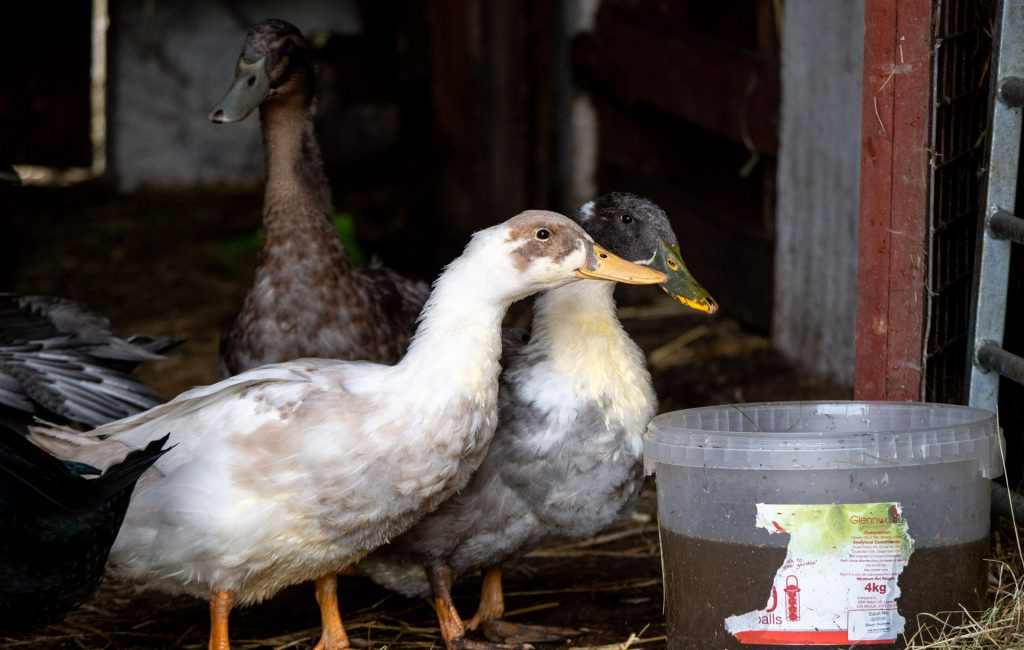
517, 499
60, 359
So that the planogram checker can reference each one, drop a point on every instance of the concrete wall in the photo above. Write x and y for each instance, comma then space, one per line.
583, 143
170, 62
818, 185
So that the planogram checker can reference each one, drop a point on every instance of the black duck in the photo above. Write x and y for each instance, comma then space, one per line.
58, 527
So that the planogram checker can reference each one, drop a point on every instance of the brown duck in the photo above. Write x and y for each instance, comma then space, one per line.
307, 299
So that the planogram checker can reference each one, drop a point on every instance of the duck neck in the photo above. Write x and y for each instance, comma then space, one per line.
576, 329
296, 185
458, 342
585, 308
297, 229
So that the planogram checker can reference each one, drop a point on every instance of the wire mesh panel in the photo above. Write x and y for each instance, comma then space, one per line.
962, 34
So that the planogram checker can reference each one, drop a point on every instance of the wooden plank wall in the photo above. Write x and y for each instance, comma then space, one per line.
687, 97
491, 67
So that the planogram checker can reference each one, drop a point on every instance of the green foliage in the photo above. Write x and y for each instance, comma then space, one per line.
248, 244
345, 226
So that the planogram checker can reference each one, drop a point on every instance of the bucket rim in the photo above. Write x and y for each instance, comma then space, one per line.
890, 437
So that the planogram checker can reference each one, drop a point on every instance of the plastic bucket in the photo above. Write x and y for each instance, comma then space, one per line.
820, 524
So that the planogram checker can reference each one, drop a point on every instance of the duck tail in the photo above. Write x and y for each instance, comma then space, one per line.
31, 480
122, 476
82, 446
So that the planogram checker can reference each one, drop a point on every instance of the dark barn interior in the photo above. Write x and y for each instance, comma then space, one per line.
430, 132
439, 118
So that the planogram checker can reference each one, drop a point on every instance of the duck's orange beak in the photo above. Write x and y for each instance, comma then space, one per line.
603, 265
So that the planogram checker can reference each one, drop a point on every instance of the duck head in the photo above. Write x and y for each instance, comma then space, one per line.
538, 250
276, 65
636, 229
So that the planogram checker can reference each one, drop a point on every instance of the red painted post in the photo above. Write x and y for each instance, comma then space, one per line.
892, 259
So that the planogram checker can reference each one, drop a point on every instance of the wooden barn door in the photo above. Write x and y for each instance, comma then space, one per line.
687, 97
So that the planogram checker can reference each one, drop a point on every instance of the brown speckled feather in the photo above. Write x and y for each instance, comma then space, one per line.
307, 299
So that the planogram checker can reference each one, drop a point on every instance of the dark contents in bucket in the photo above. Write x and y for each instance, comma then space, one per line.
708, 581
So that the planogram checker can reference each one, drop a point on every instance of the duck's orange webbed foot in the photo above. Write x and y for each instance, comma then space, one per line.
453, 630
509, 633
488, 618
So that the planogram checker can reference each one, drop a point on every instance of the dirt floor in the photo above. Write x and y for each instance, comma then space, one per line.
178, 265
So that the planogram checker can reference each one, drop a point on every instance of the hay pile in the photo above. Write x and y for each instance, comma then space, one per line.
999, 627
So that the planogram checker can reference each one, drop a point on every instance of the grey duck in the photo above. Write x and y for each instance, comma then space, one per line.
566, 459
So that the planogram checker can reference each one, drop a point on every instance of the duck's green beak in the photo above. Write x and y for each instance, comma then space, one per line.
681, 284
251, 87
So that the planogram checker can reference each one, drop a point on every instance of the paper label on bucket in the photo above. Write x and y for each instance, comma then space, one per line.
839, 581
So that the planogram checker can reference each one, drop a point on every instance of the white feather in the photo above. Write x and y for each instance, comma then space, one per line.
586, 212
293, 471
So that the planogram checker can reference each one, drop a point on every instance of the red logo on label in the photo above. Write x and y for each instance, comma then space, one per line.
792, 599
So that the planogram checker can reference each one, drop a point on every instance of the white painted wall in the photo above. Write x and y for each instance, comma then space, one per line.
170, 63
819, 185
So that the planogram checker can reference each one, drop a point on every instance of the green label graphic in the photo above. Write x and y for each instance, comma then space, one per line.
838, 583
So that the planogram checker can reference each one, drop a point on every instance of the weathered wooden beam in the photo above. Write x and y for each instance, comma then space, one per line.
893, 200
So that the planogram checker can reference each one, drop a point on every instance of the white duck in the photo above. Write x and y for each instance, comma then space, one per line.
291, 472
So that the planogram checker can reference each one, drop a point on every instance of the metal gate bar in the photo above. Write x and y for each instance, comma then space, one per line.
988, 361
1007, 226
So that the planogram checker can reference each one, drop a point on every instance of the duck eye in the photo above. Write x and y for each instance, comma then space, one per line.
672, 264
543, 233
627, 218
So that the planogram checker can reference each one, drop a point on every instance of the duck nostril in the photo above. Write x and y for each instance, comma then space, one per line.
251, 81
218, 116
604, 256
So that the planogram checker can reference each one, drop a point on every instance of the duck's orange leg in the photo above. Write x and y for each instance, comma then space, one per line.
452, 629
492, 599
488, 617
333, 636
220, 607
